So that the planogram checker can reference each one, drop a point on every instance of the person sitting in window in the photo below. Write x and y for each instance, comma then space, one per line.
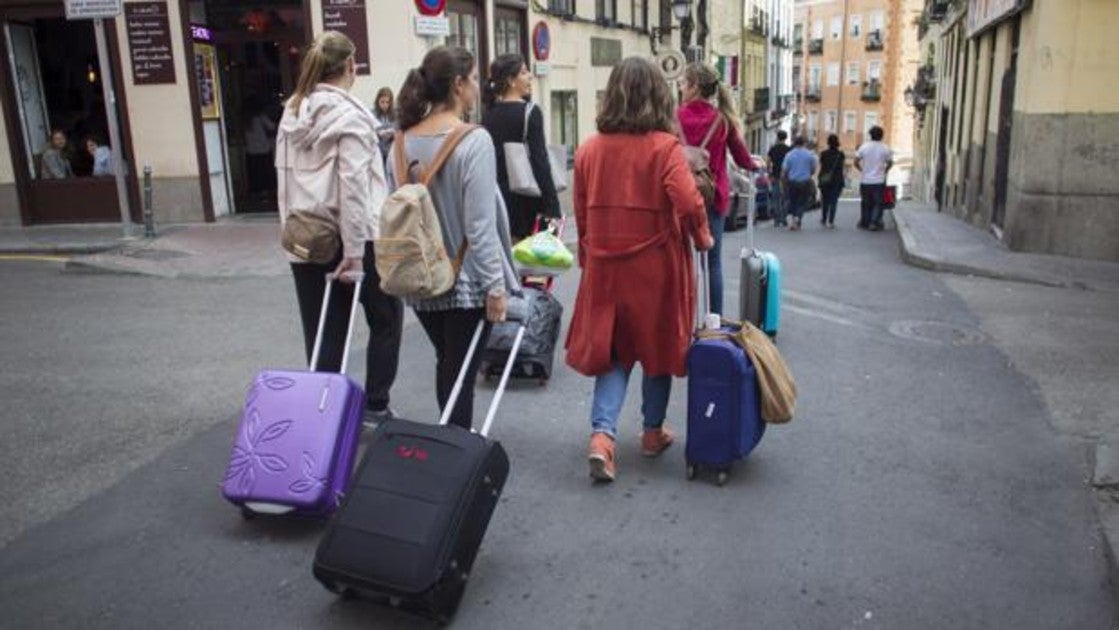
102, 156
56, 157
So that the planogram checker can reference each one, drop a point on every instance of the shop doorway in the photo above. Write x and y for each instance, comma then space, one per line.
258, 48
57, 121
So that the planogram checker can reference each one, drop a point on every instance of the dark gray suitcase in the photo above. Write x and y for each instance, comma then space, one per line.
410, 527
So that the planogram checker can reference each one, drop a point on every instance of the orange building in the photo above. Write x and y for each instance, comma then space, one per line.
852, 61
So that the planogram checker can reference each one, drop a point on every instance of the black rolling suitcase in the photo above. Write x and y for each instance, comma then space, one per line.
417, 510
538, 349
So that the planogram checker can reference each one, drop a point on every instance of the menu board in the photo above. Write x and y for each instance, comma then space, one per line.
149, 38
348, 17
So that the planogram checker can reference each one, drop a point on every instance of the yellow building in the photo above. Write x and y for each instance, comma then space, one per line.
190, 77
1020, 102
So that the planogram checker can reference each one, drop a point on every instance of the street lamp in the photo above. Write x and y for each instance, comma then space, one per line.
682, 9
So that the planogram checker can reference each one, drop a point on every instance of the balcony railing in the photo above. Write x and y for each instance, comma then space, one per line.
872, 91
816, 46
935, 10
874, 40
812, 94
757, 26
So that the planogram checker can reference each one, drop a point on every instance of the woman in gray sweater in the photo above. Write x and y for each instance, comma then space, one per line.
432, 103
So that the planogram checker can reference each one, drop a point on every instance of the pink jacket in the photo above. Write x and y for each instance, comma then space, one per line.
328, 162
695, 118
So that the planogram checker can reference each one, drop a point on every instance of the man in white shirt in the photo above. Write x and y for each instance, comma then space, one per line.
874, 160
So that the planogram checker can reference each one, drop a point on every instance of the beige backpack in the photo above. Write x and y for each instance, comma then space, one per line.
411, 256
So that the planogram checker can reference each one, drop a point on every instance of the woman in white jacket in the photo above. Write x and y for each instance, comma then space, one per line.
328, 163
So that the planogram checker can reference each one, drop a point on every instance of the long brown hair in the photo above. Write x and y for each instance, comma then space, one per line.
391, 114
636, 100
325, 60
706, 80
433, 83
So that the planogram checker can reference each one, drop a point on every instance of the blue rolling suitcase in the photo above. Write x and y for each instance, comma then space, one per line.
759, 294
724, 409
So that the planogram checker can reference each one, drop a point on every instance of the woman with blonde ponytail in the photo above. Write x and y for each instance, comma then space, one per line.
717, 122
328, 164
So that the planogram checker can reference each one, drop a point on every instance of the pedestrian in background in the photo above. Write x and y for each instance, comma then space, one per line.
56, 157
778, 199
638, 213
260, 141
433, 102
874, 159
831, 180
699, 118
102, 156
797, 171
384, 113
329, 164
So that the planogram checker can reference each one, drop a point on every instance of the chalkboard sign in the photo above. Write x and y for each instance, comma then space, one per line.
348, 17
149, 38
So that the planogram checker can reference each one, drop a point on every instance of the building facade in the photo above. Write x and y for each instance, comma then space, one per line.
192, 79
779, 74
1019, 105
853, 61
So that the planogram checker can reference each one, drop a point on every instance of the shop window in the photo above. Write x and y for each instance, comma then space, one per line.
464, 23
565, 121
58, 83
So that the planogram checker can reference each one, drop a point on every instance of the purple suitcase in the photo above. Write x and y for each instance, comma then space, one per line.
294, 450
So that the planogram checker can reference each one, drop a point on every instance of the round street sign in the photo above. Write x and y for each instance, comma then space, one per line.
541, 41
431, 7
671, 63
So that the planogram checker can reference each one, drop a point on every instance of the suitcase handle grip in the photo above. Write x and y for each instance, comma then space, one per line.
452, 400
357, 278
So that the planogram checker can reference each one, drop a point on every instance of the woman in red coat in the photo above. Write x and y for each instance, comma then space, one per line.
699, 117
638, 213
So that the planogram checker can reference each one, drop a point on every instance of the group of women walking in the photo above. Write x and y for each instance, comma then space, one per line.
638, 211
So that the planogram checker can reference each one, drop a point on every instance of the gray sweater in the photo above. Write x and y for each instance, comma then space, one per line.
468, 201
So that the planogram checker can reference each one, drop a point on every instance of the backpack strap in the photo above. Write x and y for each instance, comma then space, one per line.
445, 151
711, 132
400, 165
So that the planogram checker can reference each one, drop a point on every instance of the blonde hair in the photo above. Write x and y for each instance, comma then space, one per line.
325, 60
706, 79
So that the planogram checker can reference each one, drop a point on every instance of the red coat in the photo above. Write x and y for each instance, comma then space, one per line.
637, 210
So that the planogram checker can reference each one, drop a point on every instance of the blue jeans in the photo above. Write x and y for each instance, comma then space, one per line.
777, 201
610, 395
715, 260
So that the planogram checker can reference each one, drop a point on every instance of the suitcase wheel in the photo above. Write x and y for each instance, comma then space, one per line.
722, 478
247, 514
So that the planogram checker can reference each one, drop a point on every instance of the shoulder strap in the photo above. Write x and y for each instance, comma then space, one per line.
711, 132
445, 151
528, 112
400, 165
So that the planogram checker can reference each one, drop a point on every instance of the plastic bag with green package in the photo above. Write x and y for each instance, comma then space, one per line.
543, 252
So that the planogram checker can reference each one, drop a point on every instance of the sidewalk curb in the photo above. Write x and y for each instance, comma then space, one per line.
75, 249
912, 255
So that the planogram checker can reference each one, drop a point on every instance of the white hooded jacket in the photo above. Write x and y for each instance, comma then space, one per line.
328, 162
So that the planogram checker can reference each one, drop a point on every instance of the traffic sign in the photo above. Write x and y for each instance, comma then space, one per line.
431, 7
541, 41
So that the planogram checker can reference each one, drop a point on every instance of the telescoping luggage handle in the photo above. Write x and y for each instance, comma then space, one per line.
704, 317
358, 278
751, 210
453, 399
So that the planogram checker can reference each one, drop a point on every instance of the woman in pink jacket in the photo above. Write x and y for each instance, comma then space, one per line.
698, 117
328, 163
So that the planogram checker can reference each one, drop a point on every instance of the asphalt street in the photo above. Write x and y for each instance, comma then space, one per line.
921, 484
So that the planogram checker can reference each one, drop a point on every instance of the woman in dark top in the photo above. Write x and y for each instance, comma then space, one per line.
507, 96
830, 180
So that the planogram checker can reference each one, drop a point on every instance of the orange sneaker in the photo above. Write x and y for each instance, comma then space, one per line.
600, 455
655, 441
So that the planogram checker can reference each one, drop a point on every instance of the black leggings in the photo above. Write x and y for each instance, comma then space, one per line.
450, 332
384, 314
